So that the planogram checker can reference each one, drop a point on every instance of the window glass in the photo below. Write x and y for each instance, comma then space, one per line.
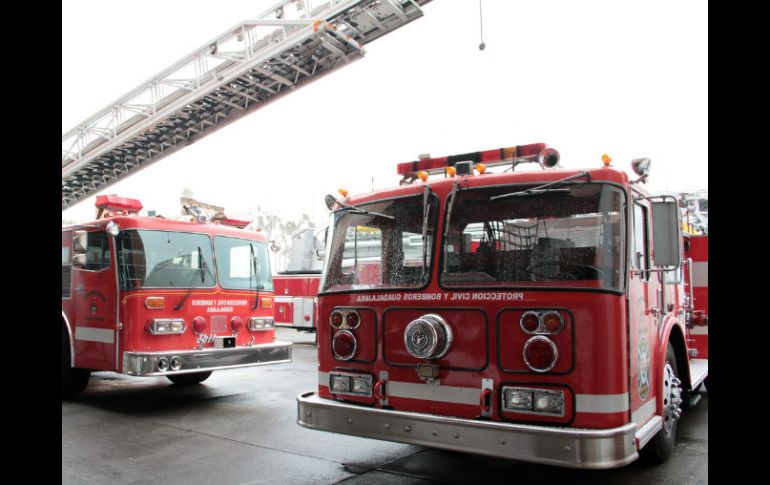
381, 245
243, 264
566, 236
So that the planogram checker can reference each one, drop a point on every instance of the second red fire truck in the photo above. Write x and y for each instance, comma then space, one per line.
555, 316
147, 296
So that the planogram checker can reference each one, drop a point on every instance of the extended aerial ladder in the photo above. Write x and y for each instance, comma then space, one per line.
289, 45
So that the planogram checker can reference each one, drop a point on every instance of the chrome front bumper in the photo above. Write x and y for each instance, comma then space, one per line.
146, 363
568, 447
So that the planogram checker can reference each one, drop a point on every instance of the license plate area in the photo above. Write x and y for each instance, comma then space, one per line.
224, 342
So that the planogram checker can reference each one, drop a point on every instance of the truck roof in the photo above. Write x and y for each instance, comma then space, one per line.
490, 180
158, 223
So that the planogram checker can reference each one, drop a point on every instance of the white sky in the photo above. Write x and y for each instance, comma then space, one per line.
587, 77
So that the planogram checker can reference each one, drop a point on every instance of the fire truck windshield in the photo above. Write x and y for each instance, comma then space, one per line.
570, 237
237, 262
164, 259
371, 251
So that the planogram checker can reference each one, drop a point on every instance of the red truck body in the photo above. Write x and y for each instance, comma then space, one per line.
534, 326
153, 297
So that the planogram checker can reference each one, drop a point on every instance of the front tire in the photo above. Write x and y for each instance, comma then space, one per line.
662, 446
73, 380
189, 379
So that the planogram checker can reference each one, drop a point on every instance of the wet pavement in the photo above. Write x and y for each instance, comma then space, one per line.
239, 427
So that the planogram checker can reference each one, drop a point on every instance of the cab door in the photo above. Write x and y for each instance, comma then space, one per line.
643, 315
94, 296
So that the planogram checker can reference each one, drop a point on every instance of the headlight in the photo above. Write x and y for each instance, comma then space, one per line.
352, 384
533, 401
165, 326
261, 323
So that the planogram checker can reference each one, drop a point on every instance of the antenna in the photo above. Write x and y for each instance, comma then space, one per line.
481, 28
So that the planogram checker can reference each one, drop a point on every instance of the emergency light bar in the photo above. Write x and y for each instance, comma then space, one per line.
112, 204
547, 157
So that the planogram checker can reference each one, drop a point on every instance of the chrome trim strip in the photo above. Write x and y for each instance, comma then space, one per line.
145, 363
584, 403
644, 412
72, 340
91, 334
568, 447
699, 370
601, 403
646, 432
439, 393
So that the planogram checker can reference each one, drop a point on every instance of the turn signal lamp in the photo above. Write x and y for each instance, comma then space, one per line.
481, 168
606, 159
422, 175
552, 322
266, 301
451, 171
155, 303
343, 192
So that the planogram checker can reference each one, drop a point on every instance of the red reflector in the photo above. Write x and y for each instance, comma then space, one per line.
236, 323
540, 354
530, 322
336, 318
199, 324
344, 345
352, 319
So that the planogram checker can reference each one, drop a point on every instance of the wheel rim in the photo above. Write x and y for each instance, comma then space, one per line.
672, 397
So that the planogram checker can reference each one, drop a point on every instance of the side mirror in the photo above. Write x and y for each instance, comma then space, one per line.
330, 200
665, 234
79, 242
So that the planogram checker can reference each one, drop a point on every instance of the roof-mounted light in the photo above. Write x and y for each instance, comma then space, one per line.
535, 152
112, 205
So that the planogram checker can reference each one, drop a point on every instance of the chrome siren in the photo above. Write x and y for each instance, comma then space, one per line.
428, 337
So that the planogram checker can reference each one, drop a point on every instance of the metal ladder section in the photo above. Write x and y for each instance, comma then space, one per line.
253, 63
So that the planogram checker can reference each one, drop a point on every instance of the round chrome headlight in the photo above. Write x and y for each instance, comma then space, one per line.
428, 337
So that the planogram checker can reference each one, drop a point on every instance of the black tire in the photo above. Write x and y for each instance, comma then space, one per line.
73, 380
661, 447
189, 379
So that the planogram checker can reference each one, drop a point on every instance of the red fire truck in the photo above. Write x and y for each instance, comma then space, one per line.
147, 296
297, 286
551, 316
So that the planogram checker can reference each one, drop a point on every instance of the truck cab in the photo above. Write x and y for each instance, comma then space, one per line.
147, 296
544, 316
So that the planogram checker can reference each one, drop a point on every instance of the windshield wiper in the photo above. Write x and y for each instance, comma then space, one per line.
202, 269
452, 196
254, 266
358, 210
425, 212
542, 189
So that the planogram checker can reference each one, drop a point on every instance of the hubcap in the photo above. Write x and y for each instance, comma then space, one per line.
672, 397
